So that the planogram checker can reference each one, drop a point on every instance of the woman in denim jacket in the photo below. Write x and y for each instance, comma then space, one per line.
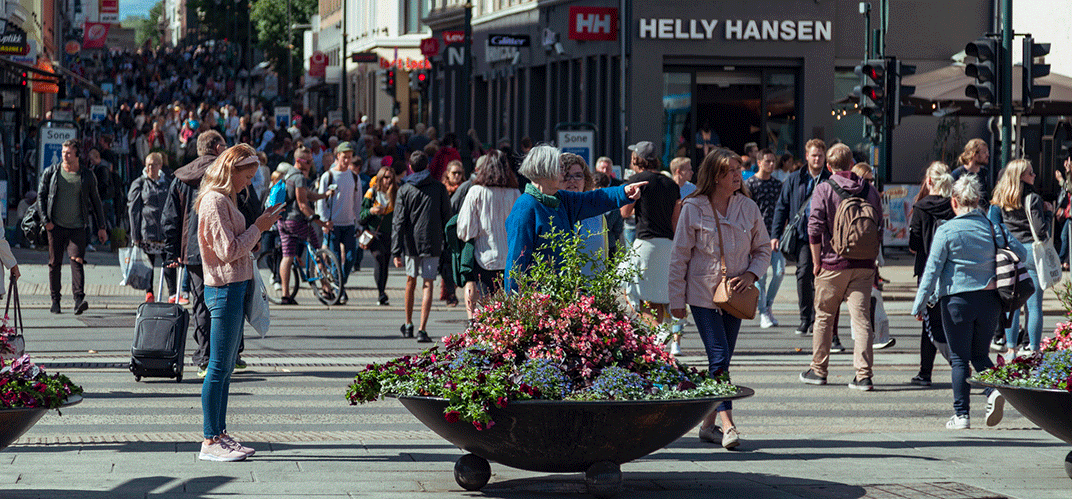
960, 277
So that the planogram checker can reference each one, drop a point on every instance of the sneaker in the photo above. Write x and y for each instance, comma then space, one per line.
675, 348
236, 445
1025, 351
407, 330
240, 364
384, 301
835, 345
712, 434
277, 286
861, 384
958, 422
766, 321
998, 344
920, 381
286, 300
202, 371
883, 346
219, 450
422, 336
80, 307
809, 377
184, 299
55, 307
149, 298
995, 408
803, 332
730, 438
343, 298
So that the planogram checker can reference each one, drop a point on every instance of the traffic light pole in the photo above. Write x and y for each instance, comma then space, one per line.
466, 91
1006, 84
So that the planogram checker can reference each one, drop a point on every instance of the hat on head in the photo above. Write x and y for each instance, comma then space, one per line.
343, 147
644, 149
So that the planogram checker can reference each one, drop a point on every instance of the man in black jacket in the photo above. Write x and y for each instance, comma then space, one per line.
421, 212
796, 193
180, 235
69, 204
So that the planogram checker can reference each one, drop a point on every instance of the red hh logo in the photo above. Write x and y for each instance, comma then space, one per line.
430, 47
593, 23
452, 37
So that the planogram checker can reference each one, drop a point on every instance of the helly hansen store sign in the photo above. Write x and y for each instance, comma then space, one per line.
735, 29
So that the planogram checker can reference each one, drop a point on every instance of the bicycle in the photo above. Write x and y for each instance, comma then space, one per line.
318, 267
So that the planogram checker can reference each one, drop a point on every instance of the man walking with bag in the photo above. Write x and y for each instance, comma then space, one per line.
844, 236
341, 210
69, 203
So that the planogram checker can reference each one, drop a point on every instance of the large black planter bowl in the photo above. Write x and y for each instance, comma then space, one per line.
565, 436
15, 422
1050, 409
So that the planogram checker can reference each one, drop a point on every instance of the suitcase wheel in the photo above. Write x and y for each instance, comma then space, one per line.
137, 378
178, 379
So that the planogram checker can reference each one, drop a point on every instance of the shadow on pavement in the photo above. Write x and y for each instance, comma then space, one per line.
691, 483
137, 487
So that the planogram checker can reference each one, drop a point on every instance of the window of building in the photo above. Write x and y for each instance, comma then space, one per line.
414, 11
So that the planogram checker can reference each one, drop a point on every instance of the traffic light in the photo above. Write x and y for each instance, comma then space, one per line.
387, 81
1031, 91
418, 80
872, 90
985, 90
24, 80
899, 91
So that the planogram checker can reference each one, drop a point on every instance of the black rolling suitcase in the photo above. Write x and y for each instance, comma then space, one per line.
159, 339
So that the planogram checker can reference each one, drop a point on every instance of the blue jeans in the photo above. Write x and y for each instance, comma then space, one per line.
1033, 309
226, 307
776, 271
1065, 232
719, 334
345, 235
969, 320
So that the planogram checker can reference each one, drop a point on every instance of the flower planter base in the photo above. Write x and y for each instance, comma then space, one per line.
565, 436
15, 422
1047, 408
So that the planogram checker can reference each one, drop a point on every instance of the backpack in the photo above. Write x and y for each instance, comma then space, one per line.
856, 225
277, 194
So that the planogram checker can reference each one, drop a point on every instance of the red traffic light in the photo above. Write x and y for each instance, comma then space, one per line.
421, 77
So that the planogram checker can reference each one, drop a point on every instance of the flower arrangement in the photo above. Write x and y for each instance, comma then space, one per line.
24, 384
563, 335
1050, 367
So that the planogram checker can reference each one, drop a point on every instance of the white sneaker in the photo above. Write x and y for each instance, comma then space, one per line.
219, 450
766, 321
995, 408
958, 422
730, 437
236, 445
675, 348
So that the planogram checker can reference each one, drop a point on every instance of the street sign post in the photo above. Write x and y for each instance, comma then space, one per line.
50, 145
579, 142
282, 117
98, 112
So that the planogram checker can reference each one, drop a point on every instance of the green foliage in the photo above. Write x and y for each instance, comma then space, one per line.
271, 24
949, 140
147, 28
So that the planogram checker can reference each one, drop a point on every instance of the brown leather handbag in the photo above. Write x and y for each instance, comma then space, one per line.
741, 305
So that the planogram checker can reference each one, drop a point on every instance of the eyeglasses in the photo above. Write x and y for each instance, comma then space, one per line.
575, 176
455, 173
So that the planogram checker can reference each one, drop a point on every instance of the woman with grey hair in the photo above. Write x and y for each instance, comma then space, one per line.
544, 208
960, 278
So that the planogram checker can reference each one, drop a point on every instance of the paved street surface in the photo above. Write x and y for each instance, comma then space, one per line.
131, 439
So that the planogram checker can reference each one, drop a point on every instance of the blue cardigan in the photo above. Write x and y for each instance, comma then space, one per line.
529, 220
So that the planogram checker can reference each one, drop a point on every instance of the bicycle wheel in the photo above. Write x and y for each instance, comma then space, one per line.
325, 277
268, 266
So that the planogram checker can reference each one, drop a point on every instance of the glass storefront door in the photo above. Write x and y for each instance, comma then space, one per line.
729, 106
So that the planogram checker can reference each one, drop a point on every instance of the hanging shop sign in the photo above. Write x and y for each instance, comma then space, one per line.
13, 42
593, 23
50, 144
787, 30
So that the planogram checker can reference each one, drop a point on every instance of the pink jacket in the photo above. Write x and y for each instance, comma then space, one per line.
225, 241
695, 261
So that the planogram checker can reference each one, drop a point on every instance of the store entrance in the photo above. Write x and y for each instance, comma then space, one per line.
729, 106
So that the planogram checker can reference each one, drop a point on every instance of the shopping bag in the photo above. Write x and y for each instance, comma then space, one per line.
14, 344
257, 303
136, 268
1047, 263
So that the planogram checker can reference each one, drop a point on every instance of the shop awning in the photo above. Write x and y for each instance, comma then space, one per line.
79, 80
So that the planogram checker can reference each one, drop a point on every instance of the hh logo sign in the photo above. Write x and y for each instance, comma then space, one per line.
593, 23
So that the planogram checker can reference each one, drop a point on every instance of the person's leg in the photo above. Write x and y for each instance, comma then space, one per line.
471, 297
152, 264
761, 283
225, 305
1033, 313
76, 250
426, 303
987, 309
346, 236
805, 289
200, 315
58, 238
1064, 241
955, 311
858, 291
829, 292
382, 254
932, 325
709, 326
169, 279
411, 287
776, 272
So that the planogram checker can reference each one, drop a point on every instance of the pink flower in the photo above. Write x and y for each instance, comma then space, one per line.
451, 416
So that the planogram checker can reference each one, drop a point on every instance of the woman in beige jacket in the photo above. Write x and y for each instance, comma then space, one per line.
719, 207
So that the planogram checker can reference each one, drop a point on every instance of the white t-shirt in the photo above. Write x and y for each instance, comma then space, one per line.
343, 208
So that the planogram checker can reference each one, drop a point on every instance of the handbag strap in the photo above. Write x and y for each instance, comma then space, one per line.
13, 292
1030, 219
718, 229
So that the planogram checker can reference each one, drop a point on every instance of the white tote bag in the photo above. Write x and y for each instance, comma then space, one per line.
135, 267
1047, 263
257, 303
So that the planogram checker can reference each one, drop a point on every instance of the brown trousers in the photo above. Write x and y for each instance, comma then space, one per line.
831, 288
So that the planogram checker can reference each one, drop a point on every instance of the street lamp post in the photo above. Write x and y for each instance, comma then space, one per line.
290, 56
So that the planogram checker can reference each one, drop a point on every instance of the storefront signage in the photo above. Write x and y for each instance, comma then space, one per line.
593, 23
430, 47
579, 142
509, 40
95, 34
14, 43
496, 54
897, 211
318, 64
282, 117
364, 57
98, 112
108, 11
455, 55
735, 29
452, 37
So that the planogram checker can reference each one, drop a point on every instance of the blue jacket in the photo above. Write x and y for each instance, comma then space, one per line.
529, 220
962, 258
794, 194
